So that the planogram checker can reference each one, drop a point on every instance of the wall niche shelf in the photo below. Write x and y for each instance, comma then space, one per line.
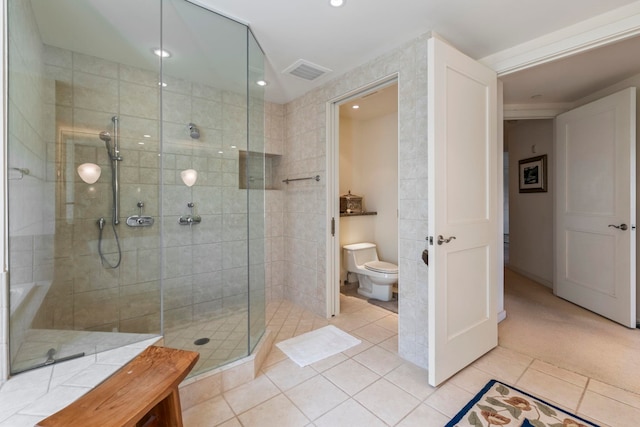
257, 170
358, 214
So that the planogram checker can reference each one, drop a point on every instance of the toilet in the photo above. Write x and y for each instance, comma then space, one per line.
376, 278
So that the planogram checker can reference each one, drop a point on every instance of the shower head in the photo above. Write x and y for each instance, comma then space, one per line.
111, 151
105, 136
194, 131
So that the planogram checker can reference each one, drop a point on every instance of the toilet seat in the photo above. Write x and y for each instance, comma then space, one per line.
381, 267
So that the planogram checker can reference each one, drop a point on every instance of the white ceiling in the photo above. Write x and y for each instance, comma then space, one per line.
337, 38
573, 78
343, 38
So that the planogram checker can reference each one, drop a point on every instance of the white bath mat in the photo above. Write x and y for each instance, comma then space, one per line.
316, 345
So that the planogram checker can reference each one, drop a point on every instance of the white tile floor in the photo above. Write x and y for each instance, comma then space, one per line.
370, 385
367, 385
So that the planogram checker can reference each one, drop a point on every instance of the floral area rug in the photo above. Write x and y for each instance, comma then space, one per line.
498, 404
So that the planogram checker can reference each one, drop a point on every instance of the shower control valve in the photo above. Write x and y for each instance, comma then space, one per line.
140, 220
191, 218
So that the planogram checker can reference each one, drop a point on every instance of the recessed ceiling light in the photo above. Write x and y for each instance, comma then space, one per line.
233, 146
163, 84
146, 135
220, 152
262, 83
337, 3
140, 143
355, 107
161, 52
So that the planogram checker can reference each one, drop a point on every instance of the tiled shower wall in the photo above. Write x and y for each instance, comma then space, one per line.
205, 268
274, 204
305, 221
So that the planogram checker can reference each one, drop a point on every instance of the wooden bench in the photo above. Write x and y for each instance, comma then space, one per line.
143, 393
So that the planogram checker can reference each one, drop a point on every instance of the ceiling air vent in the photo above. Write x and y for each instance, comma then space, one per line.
306, 70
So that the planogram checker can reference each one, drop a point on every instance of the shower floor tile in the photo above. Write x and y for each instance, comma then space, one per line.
38, 342
227, 335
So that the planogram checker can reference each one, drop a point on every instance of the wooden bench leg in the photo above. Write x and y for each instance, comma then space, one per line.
173, 406
167, 413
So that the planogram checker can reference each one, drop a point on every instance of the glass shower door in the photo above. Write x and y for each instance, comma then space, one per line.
205, 222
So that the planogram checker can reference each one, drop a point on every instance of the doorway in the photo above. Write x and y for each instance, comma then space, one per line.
530, 215
364, 165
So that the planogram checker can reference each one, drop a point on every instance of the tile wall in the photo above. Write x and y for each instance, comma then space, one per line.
305, 221
274, 204
205, 265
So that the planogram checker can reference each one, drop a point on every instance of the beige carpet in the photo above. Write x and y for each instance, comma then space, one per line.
565, 335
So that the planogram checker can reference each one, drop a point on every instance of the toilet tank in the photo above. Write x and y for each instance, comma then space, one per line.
359, 253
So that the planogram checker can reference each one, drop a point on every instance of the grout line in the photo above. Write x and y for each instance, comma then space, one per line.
529, 366
584, 392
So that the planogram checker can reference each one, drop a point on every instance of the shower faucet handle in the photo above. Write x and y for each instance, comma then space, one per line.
140, 206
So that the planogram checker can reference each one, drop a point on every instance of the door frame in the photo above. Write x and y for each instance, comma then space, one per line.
333, 254
592, 33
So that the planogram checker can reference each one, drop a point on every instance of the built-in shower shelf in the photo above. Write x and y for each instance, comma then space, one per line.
256, 170
358, 214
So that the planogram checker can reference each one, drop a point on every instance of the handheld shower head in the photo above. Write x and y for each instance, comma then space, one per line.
105, 136
194, 131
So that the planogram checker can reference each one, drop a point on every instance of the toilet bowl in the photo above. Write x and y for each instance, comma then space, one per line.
376, 278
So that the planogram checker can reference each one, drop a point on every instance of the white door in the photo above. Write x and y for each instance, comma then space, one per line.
595, 207
462, 211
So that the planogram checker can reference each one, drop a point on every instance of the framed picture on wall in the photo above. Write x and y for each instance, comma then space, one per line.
533, 174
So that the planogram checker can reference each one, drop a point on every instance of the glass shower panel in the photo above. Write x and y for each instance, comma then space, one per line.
204, 123
130, 212
83, 146
256, 177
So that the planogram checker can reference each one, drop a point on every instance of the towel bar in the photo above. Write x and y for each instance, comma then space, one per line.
287, 181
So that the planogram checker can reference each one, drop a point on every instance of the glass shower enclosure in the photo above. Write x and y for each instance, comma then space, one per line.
128, 217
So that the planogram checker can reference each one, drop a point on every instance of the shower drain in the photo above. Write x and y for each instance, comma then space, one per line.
201, 341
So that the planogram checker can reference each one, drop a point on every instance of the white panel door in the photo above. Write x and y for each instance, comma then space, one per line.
462, 211
595, 207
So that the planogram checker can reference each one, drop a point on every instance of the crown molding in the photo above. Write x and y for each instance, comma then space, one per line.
616, 25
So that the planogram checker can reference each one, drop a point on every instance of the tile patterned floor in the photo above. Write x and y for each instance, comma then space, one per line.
370, 385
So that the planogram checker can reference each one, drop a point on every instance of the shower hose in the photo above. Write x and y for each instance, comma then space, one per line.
105, 262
